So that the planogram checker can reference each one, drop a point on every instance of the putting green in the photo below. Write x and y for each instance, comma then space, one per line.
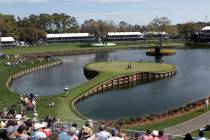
163, 51
135, 67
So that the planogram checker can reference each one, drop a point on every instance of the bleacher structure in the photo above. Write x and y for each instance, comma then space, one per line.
69, 37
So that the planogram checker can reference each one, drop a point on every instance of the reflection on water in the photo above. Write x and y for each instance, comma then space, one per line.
158, 59
53, 80
190, 83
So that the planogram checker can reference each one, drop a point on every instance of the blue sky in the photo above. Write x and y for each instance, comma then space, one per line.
132, 11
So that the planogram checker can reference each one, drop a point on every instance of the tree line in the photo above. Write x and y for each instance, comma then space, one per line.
34, 27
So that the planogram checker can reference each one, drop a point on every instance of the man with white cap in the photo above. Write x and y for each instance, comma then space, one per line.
19, 119
46, 130
38, 134
155, 135
18, 116
89, 123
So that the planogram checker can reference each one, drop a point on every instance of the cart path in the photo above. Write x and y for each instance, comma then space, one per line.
190, 125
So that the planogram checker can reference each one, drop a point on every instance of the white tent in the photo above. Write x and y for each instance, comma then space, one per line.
207, 28
68, 35
7, 39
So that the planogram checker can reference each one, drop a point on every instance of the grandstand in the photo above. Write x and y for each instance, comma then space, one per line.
156, 35
202, 36
124, 36
69, 37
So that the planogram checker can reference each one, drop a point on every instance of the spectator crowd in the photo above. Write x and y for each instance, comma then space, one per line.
14, 125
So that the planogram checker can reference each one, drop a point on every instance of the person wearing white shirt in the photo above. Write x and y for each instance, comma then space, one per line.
201, 136
34, 104
206, 103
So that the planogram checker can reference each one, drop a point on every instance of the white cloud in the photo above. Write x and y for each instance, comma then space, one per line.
29, 1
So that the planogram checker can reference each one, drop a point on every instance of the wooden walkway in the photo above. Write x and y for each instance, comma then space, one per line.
190, 125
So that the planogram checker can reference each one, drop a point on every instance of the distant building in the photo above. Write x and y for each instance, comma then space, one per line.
69, 37
124, 36
203, 35
156, 35
7, 42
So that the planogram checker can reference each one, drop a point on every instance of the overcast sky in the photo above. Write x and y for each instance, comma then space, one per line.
132, 11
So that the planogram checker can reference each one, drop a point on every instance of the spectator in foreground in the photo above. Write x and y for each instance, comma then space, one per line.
146, 136
121, 134
87, 134
46, 130
74, 125
155, 135
73, 132
115, 135
11, 132
64, 135
188, 137
38, 134
89, 123
201, 136
22, 133
103, 134
161, 135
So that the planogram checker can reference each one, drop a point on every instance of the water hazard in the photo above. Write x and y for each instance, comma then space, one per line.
190, 83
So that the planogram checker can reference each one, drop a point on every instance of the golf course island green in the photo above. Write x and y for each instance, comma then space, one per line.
122, 67
104, 73
163, 52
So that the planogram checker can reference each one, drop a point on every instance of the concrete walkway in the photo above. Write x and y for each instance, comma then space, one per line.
190, 125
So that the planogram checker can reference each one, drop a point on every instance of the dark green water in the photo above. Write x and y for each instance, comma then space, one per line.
192, 82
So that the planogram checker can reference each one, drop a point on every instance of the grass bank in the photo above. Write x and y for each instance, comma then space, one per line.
7, 98
166, 123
